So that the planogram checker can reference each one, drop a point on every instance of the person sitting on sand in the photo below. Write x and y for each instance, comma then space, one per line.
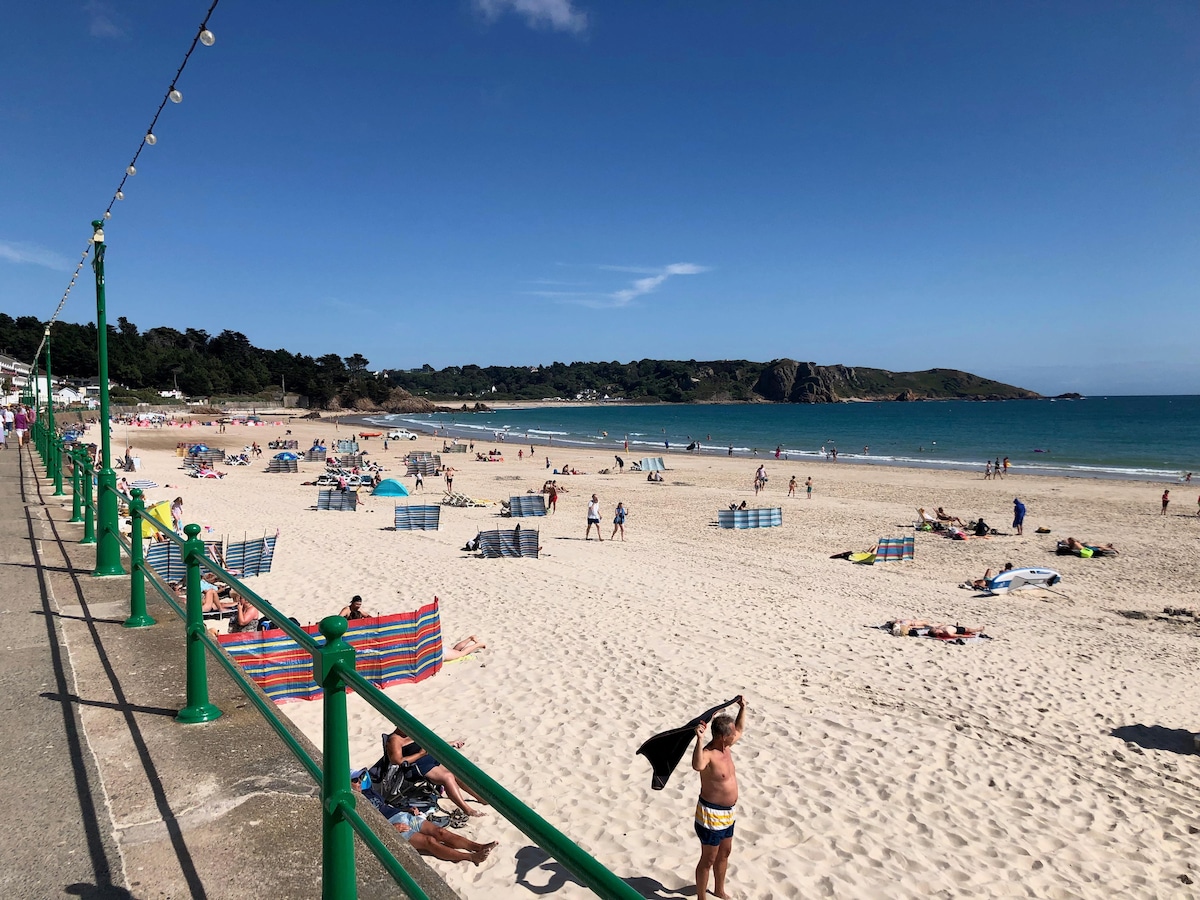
467, 645
425, 837
399, 750
247, 616
354, 610
943, 516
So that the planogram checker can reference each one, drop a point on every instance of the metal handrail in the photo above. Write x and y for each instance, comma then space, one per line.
334, 670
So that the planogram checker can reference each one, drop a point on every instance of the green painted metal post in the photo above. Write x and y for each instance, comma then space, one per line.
76, 487
55, 444
338, 881
138, 617
198, 708
36, 434
89, 504
108, 549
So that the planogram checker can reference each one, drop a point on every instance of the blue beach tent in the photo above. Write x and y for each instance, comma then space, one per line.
390, 487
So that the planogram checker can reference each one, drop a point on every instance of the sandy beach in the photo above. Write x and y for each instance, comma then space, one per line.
1050, 761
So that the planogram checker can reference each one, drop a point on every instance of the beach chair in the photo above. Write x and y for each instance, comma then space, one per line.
343, 501
418, 518
519, 542
527, 505
769, 517
895, 549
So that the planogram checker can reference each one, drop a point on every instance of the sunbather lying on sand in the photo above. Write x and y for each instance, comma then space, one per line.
981, 584
1075, 546
906, 627
462, 648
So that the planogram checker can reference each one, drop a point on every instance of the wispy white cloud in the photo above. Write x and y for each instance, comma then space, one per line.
557, 15
598, 299
651, 283
101, 23
23, 252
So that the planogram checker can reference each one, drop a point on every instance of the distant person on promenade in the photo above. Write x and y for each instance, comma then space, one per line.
1166, 501
717, 805
618, 522
1019, 515
593, 518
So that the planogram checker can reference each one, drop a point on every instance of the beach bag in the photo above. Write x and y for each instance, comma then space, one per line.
1086, 553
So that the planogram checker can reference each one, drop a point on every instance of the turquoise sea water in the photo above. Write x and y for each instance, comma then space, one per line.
1112, 437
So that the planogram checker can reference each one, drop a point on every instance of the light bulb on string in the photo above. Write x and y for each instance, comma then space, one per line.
131, 170
151, 139
120, 195
175, 95
107, 214
207, 38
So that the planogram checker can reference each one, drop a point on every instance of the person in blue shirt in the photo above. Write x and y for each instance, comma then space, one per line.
1018, 515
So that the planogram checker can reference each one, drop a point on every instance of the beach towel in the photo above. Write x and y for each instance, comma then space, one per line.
665, 750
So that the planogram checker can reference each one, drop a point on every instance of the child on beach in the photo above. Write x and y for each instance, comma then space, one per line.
808, 487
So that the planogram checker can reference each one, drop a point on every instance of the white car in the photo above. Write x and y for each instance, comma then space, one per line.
401, 434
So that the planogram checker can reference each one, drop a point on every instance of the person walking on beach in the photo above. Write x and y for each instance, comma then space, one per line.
999, 474
448, 474
618, 522
808, 487
718, 798
792, 487
987, 471
420, 485
553, 501
1006, 465
1166, 500
593, 518
1019, 515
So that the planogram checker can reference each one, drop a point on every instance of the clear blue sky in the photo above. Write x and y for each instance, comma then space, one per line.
1010, 188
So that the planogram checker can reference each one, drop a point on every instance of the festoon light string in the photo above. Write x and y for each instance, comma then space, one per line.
203, 36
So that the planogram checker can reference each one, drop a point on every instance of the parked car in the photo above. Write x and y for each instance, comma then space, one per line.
401, 434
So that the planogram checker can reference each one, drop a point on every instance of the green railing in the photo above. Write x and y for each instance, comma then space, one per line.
334, 670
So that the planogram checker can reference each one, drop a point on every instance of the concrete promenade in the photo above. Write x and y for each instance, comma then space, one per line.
103, 794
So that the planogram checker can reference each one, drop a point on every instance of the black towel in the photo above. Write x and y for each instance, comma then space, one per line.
664, 751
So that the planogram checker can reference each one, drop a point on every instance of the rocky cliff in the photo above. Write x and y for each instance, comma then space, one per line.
789, 381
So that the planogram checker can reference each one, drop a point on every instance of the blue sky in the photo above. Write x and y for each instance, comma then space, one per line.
1010, 188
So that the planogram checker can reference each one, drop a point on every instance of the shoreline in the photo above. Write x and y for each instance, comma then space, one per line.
639, 450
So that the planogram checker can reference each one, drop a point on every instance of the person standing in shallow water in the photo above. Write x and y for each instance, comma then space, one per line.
718, 798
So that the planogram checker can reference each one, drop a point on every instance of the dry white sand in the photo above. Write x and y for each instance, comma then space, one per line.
1044, 763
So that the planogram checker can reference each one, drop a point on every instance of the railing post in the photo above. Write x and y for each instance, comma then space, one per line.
198, 708
89, 506
138, 617
76, 487
338, 880
57, 451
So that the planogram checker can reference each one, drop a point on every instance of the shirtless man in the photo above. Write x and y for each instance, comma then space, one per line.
718, 798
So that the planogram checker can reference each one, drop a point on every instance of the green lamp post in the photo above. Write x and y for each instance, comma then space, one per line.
55, 449
108, 548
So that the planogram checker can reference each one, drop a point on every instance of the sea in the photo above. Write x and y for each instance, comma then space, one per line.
1148, 438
